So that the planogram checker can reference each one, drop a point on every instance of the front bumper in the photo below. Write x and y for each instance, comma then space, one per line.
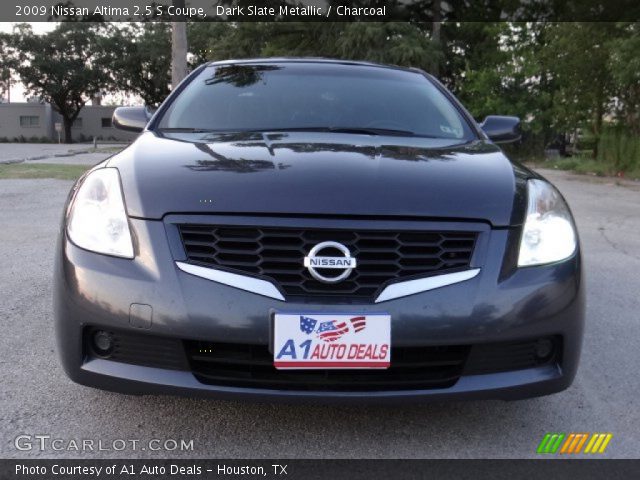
498, 305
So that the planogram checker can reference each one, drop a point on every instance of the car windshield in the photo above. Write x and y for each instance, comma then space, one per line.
314, 96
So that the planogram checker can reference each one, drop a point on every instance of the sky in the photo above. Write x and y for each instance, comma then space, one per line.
38, 27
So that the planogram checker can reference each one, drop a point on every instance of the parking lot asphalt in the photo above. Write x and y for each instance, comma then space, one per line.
36, 398
64, 154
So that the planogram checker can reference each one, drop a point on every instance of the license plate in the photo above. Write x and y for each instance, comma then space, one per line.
331, 341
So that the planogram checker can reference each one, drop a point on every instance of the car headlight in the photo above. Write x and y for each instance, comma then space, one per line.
97, 219
548, 234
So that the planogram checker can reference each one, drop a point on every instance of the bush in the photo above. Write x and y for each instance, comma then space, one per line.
619, 150
35, 139
529, 148
23, 139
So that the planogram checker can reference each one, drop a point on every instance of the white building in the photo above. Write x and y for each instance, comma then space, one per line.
36, 121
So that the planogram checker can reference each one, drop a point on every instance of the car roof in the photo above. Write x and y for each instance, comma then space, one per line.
318, 60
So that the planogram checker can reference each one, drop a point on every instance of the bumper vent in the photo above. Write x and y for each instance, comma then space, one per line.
277, 254
251, 366
503, 357
144, 350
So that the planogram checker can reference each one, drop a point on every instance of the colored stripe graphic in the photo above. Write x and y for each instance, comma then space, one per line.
598, 443
550, 443
567, 444
574, 442
543, 443
581, 442
358, 323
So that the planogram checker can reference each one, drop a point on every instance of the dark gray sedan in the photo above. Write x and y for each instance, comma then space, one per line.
317, 230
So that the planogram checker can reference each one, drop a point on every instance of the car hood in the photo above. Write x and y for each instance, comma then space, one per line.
313, 173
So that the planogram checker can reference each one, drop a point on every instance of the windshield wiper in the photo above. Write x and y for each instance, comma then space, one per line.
184, 130
357, 130
372, 131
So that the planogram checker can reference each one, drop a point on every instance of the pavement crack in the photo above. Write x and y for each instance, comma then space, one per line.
615, 246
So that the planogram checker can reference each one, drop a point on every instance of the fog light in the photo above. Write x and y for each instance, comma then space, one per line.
544, 348
103, 343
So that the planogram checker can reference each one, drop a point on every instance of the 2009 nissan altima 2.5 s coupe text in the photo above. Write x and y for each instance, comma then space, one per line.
309, 229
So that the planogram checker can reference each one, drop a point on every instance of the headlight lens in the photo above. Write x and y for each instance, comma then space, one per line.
97, 219
548, 234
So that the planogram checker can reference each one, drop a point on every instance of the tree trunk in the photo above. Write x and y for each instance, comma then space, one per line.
435, 34
178, 48
66, 122
178, 52
597, 127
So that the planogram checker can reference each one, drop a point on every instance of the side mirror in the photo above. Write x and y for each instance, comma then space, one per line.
131, 119
502, 129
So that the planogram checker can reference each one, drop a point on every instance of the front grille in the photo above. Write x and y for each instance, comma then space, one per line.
412, 368
251, 366
278, 255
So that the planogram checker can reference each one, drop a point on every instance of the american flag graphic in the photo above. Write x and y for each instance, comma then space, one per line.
332, 331
358, 323
307, 325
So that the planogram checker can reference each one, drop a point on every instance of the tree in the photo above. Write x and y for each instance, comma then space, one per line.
65, 67
624, 63
495, 68
139, 55
393, 42
577, 57
5, 81
222, 41
436, 27
6, 65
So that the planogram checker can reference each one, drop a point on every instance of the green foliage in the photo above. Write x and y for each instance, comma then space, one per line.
218, 40
5, 79
201, 35
619, 150
42, 170
588, 166
585, 165
23, 139
618, 155
624, 64
393, 43
559, 78
140, 60
577, 57
64, 67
